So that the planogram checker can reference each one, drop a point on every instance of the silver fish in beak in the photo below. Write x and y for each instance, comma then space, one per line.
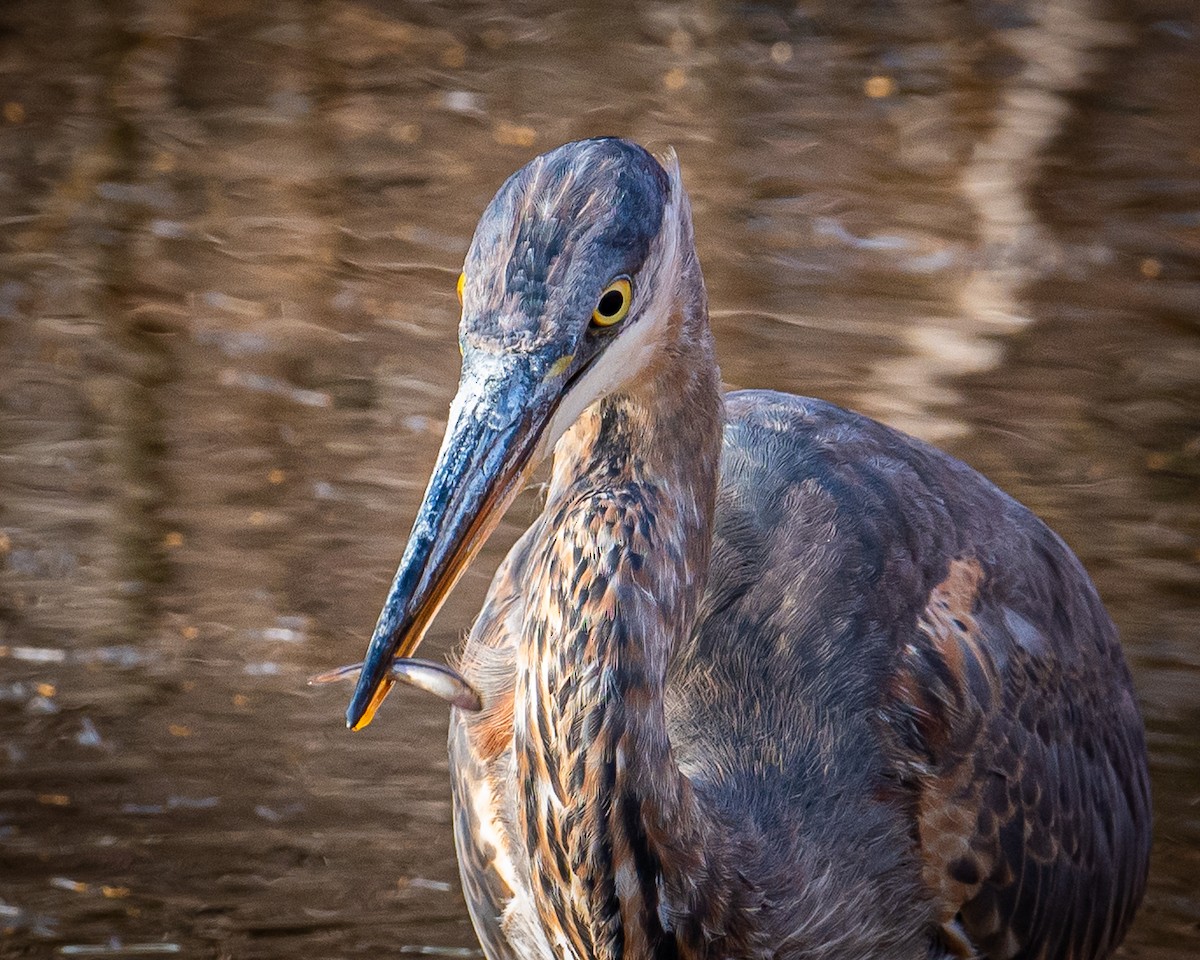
442, 681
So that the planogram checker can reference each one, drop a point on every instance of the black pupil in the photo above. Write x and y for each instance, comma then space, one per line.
610, 303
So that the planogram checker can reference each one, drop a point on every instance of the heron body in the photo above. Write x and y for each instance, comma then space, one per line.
765, 678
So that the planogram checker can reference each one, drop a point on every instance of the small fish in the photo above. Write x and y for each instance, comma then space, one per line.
442, 681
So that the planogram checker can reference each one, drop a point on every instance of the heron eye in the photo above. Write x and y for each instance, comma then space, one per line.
613, 303
462, 282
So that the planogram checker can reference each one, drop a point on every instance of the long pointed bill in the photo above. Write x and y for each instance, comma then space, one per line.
496, 420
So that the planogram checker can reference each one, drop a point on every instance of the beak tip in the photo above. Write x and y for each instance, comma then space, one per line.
357, 716
367, 697
355, 712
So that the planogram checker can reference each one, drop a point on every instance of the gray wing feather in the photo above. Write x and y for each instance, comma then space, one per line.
880, 618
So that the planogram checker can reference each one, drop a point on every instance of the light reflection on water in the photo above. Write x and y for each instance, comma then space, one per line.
226, 323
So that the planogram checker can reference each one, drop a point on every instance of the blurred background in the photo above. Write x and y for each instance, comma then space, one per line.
231, 233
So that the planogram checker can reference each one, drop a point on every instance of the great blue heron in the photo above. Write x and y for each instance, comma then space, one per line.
765, 678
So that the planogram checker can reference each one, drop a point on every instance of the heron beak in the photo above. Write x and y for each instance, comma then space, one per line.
496, 421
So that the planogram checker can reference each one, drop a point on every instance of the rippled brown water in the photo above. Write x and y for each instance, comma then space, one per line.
230, 237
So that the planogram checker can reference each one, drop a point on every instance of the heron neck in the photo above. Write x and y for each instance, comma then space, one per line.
634, 487
626, 560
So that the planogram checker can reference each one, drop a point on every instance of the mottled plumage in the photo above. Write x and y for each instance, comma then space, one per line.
765, 678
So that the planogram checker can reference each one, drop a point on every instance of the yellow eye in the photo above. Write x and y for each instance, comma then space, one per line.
613, 303
462, 282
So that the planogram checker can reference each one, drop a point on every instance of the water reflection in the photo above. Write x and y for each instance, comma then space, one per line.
226, 330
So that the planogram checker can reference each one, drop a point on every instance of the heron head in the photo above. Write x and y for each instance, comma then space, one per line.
569, 294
